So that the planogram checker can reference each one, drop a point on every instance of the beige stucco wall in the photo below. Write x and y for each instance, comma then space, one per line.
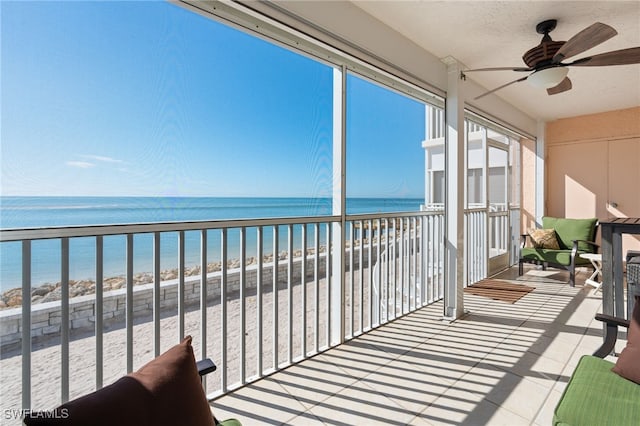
591, 161
607, 125
528, 185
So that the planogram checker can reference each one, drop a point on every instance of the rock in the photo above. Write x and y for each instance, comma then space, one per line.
9, 294
14, 301
81, 288
113, 283
143, 278
169, 275
52, 296
51, 292
42, 290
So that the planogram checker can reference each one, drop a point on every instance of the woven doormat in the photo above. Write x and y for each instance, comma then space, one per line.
499, 290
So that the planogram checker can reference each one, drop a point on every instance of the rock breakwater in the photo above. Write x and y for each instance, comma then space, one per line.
50, 292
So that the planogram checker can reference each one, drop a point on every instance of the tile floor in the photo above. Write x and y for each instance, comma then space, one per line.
502, 364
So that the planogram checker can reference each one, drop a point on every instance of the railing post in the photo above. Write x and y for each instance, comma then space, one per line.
303, 289
129, 302
316, 279
156, 294
99, 310
361, 271
223, 309
352, 247
243, 305
64, 319
259, 255
26, 324
181, 266
274, 299
289, 293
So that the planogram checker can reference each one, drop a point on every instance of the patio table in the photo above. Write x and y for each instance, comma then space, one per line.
612, 276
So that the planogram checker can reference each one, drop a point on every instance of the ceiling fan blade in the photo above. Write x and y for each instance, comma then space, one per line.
616, 57
562, 87
501, 87
590, 37
519, 69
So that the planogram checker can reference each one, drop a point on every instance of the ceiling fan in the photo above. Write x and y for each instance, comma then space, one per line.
544, 62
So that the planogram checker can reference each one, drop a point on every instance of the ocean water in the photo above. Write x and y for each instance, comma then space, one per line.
33, 212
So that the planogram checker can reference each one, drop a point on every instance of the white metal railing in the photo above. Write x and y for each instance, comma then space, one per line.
266, 305
406, 252
489, 232
499, 232
476, 243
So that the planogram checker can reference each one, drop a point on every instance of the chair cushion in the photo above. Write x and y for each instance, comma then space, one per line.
165, 391
560, 257
596, 396
568, 230
544, 238
628, 363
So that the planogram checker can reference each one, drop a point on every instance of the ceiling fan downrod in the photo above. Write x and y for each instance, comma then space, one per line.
545, 27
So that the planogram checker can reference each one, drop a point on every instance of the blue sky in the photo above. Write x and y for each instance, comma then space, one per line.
149, 99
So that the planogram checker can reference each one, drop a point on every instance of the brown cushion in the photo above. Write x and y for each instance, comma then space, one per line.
165, 391
544, 239
628, 364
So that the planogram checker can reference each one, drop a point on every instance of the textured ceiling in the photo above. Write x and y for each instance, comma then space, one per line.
497, 33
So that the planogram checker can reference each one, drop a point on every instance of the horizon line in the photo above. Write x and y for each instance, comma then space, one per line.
206, 196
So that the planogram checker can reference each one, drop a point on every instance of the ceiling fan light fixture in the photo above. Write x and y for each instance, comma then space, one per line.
548, 77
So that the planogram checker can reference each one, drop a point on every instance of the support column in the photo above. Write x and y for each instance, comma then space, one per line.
454, 198
540, 171
337, 242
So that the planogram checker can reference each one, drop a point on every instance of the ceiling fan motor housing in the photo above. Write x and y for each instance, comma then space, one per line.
551, 74
542, 53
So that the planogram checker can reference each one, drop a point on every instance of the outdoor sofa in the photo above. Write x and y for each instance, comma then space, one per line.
559, 244
600, 392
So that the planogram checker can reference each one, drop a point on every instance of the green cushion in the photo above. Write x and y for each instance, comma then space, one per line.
597, 396
568, 230
561, 257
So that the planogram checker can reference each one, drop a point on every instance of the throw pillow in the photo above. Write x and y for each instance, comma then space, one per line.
544, 239
165, 391
628, 364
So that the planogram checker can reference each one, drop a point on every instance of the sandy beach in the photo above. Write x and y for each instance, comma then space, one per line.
46, 361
